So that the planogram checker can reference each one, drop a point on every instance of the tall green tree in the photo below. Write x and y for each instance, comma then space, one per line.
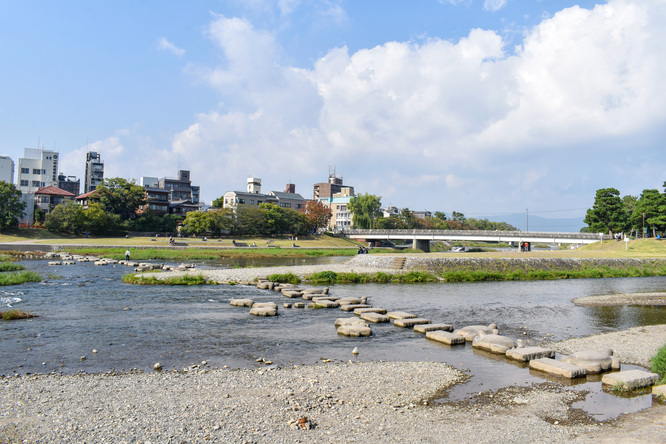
650, 211
365, 208
67, 217
122, 197
11, 206
608, 213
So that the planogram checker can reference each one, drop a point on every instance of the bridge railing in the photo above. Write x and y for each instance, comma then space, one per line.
517, 234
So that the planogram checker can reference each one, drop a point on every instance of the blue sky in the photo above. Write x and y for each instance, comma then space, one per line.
479, 107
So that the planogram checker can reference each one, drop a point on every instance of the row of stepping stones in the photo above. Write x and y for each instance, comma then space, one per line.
487, 338
72, 259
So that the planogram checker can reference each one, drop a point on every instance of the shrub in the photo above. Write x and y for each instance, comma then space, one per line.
324, 277
286, 277
11, 315
659, 364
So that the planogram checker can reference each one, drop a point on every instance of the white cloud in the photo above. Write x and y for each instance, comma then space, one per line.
418, 113
164, 45
493, 5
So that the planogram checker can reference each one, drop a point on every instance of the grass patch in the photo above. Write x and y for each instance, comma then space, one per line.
11, 315
659, 364
152, 279
193, 253
20, 277
331, 277
290, 278
10, 266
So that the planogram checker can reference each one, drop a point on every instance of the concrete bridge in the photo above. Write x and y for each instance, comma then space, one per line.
421, 238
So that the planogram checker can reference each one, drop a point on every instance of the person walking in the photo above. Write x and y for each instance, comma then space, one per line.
127, 255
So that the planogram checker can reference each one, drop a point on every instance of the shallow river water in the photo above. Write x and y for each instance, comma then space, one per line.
87, 307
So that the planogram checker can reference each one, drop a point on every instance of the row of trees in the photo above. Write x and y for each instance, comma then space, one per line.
265, 220
366, 210
612, 213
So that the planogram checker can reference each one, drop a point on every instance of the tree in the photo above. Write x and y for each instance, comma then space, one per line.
650, 211
120, 196
219, 202
197, 223
67, 217
607, 213
439, 215
11, 206
458, 217
222, 220
97, 221
317, 214
249, 221
365, 209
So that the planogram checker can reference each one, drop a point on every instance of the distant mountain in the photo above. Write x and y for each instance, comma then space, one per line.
538, 223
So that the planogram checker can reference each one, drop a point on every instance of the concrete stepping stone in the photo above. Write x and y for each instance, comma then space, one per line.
263, 311
400, 315
445, 337
425, 328
286, 305
292, 293
242, 302
323, 290
527, 354
560, 368
630, 379
355, 330
471, 331
494, 343
349, 321
350, 301
58, 263
410, 322
375, 317
325, 298
595, 361
323, 303
264, 305
265, 285
299, 305
360, 311
352, 307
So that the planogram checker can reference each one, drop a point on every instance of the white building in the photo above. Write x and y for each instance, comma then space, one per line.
6, 169
39, 168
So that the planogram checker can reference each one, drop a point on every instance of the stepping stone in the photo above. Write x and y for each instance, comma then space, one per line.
324, 298
242, 302
355, 330
292, 293
471, 331
286, 305
630, 379
360, 311
410, 322
263, 311
528, 353
352, 307
264, 305
265, 285
323, 290
349, 321
494, 343
374, 317
58, 263
299, 305
68, 263
560, 368
349, 301
445, 337
400, 315
425, 328
322, 303
595, 361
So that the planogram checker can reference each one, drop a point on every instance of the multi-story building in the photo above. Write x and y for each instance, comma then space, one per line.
69, 183
46, 198
330, 188
6, 169
157, 201
94, 171
39, 168
180, 188
253, 196
341, 216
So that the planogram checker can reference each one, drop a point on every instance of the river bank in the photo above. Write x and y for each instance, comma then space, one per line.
353, 402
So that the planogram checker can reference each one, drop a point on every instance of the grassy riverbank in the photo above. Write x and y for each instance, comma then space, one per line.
20, 277
152, 279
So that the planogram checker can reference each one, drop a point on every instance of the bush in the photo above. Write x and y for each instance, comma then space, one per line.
287, 277
11, 315
21, 277
151, 279
659, 364
324, 277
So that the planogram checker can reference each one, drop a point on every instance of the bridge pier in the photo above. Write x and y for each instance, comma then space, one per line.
422, 244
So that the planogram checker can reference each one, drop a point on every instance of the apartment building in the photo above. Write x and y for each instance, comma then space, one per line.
94, 171
38, 168
6, 169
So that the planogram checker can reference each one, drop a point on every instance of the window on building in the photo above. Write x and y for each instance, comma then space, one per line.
36, 183
36, 171
251, 201
25, 170
24, 183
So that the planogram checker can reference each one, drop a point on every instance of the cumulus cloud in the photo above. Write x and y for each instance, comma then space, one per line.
421, 113
164, 45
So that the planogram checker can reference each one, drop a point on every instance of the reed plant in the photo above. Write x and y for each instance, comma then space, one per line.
659, 364
154, 279
290, 278
11, 315
20, 277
